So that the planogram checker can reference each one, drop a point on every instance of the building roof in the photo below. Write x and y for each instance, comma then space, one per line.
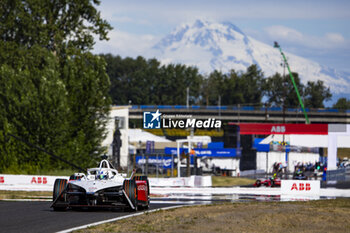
139, 135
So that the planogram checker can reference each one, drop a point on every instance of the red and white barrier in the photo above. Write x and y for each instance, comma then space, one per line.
28, 182
191, 185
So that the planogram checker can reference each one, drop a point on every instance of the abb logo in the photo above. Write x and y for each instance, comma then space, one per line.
278, 129
141, 187
302, 187
2, 180
39, 180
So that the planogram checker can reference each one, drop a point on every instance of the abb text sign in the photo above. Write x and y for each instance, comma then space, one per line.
27, 182
255, 128
300, 187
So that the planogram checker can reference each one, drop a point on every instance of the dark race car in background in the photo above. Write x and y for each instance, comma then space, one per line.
271, 182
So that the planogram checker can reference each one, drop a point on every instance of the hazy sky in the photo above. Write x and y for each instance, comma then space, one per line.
315, 29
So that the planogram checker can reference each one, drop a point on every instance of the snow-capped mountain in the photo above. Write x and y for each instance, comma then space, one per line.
223, 46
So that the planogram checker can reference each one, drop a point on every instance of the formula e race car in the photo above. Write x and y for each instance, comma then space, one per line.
272, 182
101, 187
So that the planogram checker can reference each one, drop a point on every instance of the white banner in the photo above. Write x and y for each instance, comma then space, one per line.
28, 182
300, 187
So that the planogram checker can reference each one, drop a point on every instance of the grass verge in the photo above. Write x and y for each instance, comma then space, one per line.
312, 216
24, 194
218, 181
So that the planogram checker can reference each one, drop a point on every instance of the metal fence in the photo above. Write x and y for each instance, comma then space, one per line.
341, 174
162, 165
158, 165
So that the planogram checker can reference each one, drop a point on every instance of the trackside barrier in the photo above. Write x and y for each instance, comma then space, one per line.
192, 181
300, 187
45, 183
28, 182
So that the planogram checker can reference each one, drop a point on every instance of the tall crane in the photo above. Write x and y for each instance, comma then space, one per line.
276, 45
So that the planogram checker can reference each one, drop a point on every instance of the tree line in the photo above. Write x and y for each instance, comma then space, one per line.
53, 90
145, 81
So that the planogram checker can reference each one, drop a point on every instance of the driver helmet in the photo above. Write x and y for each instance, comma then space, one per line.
102, 175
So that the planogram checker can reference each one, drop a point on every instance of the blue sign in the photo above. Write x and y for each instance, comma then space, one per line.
213, 152
163, 162
151, 120
149, 147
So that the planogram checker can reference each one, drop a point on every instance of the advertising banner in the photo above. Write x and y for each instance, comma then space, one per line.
300, 187
214, 152
163, 162
28, 182
265, 129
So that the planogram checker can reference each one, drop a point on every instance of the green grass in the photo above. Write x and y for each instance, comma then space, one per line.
311, 216
218, 181
24, 194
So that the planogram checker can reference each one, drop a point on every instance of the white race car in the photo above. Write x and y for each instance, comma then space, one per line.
101, 187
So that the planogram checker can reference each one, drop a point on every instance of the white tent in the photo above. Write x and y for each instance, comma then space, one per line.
139, 135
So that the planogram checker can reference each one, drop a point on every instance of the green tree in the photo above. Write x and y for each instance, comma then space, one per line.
55, 24
342, 103
279, 90
141, 81
234, 88
251, 84
315, 94
33, 106
54, 92
87, 85
213, 87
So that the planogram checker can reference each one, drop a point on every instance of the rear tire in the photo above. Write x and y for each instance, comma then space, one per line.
148, 189
130, 189
258, 183
143, 178
59, 186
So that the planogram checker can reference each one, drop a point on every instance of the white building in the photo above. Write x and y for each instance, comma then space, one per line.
121, 113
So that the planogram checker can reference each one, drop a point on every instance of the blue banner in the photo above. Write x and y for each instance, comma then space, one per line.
213, 152
163, 162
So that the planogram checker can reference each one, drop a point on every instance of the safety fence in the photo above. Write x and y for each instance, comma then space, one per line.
341, 174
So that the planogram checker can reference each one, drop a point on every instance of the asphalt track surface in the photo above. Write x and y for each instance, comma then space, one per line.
36, 216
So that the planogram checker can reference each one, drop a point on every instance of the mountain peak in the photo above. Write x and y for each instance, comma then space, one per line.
201, 33
198, 24
223, 46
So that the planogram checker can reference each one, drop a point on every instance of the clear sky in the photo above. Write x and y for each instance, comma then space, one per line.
315, 29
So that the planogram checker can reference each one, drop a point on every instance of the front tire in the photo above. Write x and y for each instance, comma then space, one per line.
59, 186
130, 189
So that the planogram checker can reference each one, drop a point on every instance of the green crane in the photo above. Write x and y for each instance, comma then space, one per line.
276, 45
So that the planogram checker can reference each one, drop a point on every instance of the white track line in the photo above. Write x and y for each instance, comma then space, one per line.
118, 218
